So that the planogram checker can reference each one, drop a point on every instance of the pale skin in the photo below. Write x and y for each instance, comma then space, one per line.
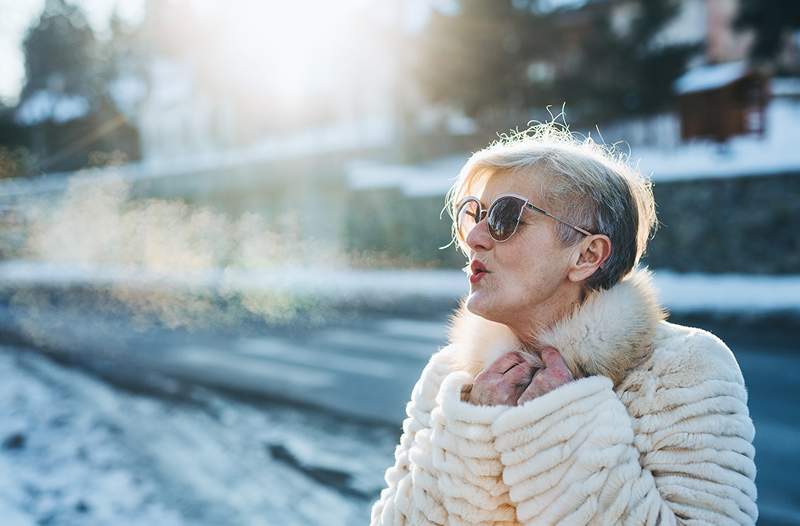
532, 281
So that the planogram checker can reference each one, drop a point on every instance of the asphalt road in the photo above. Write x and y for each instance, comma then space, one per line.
366, 367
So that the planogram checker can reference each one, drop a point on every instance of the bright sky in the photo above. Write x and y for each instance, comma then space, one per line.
272, 24
18, 15
301, 35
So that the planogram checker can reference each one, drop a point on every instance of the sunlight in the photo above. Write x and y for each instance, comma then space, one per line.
292, 49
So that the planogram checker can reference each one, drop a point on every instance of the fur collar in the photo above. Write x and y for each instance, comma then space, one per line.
610, 333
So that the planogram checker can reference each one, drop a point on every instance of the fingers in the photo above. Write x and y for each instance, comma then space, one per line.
506, 362
541, 384
555, 362
504, 380
552, 358
534, 360
516, 377
553, 375
514, 369
528, 394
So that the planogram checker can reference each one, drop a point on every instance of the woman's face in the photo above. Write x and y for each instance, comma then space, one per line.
525, 271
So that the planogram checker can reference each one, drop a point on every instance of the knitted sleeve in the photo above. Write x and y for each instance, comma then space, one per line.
446, 468
396, 505
465, 459
576, 455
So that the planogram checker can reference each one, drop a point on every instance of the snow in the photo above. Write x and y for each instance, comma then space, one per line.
774, 153
374, 132
680, 292
128, 91
45, 105
427, 179
93, 455
321, 282
785, 86
69, 465
710, 77
728, 293
171, 82
12, 498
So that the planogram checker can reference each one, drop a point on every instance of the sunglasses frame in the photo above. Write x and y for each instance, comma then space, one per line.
484, 213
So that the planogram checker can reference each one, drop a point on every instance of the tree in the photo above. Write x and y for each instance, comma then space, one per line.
474, 58
66, 102
629, 72
771, 20
511, 53
61, 52
14, 157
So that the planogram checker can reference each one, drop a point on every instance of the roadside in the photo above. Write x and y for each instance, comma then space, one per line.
75, 450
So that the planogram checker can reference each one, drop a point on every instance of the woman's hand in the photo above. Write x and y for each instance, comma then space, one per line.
517, 377
554, 374
505, 380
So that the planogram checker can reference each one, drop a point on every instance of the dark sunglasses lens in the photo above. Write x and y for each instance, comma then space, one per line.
504, 217
467, 217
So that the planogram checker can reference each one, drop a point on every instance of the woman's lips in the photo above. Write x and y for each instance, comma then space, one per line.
478, 271
474, 278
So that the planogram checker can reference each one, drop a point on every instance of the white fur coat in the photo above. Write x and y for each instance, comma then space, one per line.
654, 430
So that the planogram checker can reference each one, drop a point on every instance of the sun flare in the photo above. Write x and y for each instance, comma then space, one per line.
291, 49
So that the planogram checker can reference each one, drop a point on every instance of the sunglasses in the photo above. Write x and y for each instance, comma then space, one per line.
502, 217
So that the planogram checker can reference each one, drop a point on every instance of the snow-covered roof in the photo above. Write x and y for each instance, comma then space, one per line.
46, 105
710, 77
785, 87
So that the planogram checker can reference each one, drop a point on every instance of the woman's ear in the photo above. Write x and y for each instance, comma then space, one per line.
592, 253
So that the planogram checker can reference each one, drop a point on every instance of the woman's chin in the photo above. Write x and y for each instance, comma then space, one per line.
479, 304
482, 303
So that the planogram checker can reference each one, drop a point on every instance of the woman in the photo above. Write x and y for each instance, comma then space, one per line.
564, 395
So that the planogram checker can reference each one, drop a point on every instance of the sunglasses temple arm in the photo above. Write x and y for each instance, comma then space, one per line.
548, 214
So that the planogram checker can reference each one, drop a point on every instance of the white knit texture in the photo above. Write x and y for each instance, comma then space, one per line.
447, 470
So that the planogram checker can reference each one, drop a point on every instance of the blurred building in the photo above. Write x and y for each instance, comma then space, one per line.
720, 101
721, 95
226, 95
177, 118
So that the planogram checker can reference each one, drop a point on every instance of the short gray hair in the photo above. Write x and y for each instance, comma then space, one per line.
587, 184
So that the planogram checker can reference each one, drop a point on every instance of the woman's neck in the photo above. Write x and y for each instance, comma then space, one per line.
540, 317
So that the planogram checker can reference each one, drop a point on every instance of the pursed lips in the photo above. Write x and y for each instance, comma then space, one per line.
478, 271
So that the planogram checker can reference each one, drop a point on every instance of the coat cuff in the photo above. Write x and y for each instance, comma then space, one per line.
569, 399
553, 447
457, 410
464, 454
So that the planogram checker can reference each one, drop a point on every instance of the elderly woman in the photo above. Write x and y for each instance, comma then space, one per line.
564, 396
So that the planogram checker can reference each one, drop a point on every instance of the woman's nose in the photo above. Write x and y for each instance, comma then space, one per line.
479, 238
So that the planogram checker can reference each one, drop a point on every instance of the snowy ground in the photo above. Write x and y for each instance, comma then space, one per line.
75, 450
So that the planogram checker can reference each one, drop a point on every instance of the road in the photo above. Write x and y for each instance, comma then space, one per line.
365, 368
